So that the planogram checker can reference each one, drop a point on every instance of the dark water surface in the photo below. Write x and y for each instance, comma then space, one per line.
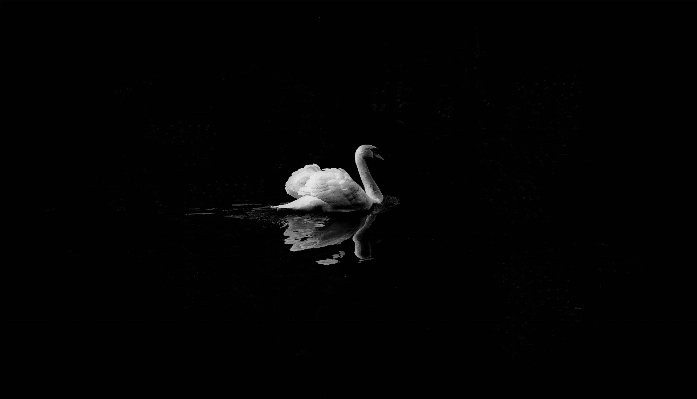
383, 297
399, 295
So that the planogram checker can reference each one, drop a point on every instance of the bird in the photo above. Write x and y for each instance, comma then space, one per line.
333, 190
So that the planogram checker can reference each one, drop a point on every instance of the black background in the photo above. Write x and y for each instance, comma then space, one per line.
539, 151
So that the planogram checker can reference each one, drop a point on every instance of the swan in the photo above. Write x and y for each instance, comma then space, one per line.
333, 190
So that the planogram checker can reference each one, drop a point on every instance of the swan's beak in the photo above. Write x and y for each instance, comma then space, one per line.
378, 156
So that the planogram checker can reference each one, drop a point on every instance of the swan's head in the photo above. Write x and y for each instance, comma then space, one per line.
366, 151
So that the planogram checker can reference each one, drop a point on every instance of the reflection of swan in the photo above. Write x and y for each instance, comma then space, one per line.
306, 232
333, 190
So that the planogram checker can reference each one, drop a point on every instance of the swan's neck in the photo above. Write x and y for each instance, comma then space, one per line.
371, 188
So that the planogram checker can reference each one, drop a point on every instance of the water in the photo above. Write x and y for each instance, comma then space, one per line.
284, 266
398, 292
236, 292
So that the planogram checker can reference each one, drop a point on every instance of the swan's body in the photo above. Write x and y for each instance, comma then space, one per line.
333, 190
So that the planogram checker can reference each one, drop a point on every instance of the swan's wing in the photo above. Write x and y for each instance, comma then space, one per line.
298, 179
335, 187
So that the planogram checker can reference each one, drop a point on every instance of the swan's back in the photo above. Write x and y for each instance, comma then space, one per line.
298, 179
335, 187
326, 178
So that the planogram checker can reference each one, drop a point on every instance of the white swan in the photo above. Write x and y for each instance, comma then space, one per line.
333, 190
